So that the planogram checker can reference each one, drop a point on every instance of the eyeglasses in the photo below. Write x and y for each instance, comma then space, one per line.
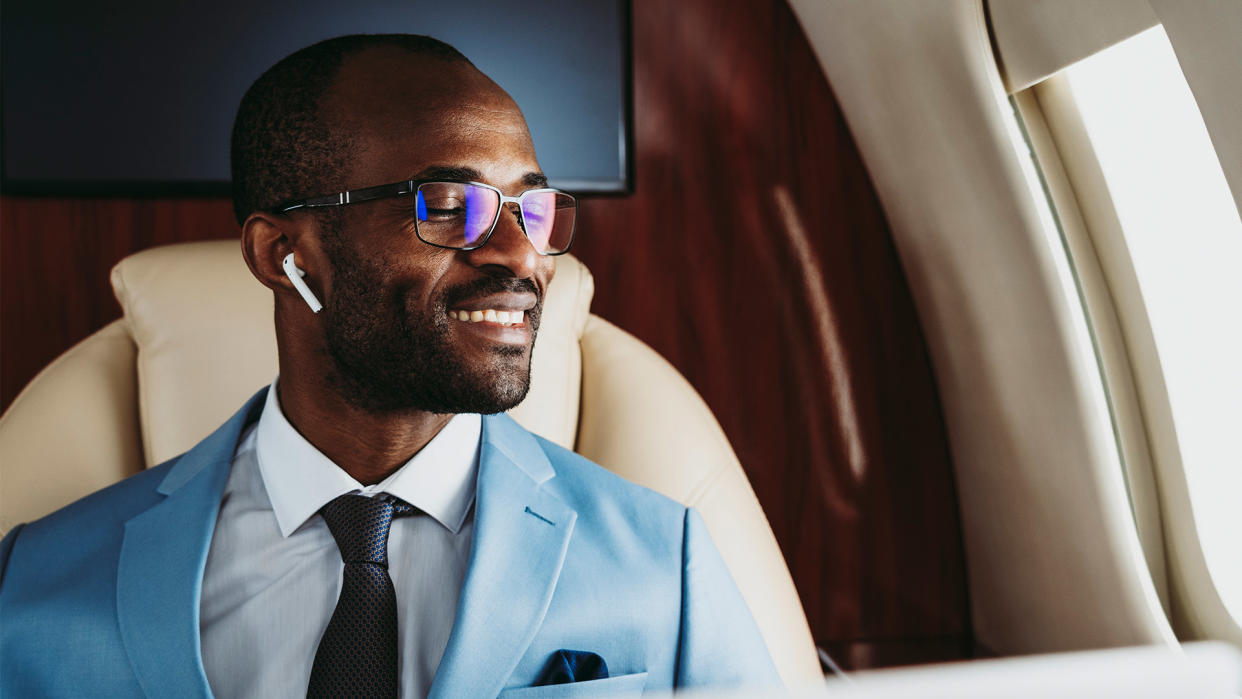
462, 215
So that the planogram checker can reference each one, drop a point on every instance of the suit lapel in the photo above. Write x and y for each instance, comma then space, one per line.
521, 534
160, 570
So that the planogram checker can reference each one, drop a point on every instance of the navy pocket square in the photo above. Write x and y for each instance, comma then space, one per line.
567, 666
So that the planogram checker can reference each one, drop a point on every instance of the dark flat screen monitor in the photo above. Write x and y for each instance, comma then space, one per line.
138, 98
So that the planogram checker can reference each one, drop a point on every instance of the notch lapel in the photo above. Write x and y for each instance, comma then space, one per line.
521, 535
160, 567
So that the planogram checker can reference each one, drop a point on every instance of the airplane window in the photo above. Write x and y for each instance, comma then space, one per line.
1184, 236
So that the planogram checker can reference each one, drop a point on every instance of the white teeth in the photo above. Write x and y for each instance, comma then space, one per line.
490, 315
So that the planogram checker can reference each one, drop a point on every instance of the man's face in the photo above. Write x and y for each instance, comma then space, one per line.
392, 312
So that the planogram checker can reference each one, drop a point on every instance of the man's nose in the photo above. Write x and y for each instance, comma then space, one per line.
508, 249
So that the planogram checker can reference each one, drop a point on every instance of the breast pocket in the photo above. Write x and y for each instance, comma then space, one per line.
622, 686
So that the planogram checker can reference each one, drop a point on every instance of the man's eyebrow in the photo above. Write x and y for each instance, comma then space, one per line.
441, 172
444, 172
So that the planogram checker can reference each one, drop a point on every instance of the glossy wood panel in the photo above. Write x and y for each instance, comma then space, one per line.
55, 256
753, 255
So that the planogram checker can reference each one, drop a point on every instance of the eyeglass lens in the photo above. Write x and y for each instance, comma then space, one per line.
460, 215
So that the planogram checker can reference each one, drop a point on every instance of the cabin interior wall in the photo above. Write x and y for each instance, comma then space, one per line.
753, 255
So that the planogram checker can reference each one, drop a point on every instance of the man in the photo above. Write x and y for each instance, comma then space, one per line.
360, 529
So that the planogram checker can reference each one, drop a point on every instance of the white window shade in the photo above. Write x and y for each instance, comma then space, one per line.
1037, 39
1034, 40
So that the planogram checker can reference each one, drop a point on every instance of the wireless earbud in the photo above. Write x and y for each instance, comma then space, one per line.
295, 275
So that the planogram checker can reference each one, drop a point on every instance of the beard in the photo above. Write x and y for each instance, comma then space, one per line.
391, 358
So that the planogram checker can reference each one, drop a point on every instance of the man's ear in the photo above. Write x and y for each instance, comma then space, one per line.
266, 240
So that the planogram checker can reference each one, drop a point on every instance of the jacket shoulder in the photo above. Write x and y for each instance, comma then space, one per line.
588, 487
575, 468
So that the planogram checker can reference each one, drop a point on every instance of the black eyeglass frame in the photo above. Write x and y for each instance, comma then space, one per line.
397, 189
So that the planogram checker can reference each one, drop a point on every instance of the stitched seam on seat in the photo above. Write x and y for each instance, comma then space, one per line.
698, 491
573, 419
587, 289
121, 290
143, 409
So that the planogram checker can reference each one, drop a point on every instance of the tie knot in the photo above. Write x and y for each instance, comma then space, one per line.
360, 525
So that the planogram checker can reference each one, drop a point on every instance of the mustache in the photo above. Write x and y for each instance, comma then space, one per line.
491, 285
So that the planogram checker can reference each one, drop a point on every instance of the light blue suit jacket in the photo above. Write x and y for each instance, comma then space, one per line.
102, 597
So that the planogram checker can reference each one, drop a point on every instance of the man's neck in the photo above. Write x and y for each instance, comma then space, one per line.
367, 446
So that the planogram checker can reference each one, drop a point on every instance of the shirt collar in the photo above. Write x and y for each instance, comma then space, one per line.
300, 479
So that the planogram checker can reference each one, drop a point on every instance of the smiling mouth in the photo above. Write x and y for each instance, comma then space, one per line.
503, 318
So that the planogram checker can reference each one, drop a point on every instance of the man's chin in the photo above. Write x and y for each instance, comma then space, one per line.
497, 395
447, 391
500, 387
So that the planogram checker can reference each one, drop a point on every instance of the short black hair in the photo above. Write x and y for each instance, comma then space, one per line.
281, 146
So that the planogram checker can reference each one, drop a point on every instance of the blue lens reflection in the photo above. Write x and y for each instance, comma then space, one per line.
538, 211
480, 212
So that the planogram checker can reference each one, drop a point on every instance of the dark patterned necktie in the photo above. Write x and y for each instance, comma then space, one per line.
357, 655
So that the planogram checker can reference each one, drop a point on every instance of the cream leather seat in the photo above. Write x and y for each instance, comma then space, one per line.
197, 340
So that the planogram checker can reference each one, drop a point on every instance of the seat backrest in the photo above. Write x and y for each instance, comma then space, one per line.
197, 340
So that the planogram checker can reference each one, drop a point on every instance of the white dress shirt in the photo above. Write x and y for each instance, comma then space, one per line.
274, 572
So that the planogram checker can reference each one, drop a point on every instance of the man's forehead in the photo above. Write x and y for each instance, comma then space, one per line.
402, 110
378, 82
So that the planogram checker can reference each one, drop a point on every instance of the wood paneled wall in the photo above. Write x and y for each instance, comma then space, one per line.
753, 255
55, 258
